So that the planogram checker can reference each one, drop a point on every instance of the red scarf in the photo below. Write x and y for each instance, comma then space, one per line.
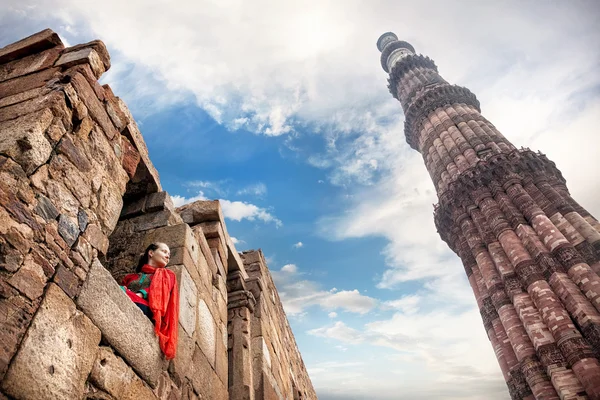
163, 297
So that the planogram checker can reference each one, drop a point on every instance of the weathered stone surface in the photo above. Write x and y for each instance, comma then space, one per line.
201, 211
98, 46
82, 56
113, 108
57, 354
111, 374
29, 64
29, 279
204, 380
188, 298
68, 229
131, 157
68, 281
23, 139
17, 313
32, 44
46, 209
82, 220
158, 201
74, 153
123, 325
28, 82
23, 96
94, 106
54, 100
206, 332
156, 220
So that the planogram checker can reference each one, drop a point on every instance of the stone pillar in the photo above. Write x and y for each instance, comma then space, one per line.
240, 306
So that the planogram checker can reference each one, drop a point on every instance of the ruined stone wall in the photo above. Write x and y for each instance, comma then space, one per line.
79, 200
278, 369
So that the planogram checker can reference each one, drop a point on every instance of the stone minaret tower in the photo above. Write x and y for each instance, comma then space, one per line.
530, 251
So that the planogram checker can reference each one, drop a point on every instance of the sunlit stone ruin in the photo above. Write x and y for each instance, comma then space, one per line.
530, 251
79, 200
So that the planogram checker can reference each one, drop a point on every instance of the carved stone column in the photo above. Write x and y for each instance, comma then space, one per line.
240, 306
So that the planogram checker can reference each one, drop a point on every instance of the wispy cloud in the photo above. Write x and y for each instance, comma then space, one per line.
298, 245
298, 294
257, 189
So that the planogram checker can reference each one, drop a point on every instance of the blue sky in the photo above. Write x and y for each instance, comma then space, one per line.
280, 109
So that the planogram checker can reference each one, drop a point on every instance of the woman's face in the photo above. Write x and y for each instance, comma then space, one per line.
160, 257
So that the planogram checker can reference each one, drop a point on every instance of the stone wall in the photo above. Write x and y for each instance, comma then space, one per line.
79, 200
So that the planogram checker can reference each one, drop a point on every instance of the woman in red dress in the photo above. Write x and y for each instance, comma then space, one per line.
153, 288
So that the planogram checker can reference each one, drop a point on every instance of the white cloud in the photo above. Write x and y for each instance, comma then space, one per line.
236, 240
257, 189
332, 314
291, 268
239, 210
407, 304
298, 245
178, 201
297, 294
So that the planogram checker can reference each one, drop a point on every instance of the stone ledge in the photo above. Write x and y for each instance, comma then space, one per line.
32, 44
122, 323
57, 353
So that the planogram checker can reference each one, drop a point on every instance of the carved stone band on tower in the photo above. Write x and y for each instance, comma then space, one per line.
530, 251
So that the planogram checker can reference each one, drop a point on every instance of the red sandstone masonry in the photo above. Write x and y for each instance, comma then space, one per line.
530, 235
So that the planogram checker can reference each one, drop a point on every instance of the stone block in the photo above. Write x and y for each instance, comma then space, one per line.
96, 45
57, 354
155, 220
93, 104
204, 378
206, 252
31, 44
111, 374
188, 298
174, 236
23, 139
54, 100
74, 152
82, 220
135, 136
158, 201
85, 55
28, 82
45, 208
114, 110
23, 96
29, 279
206, 336
68, 229
166, 388
181, 366
201, 211
122, 323
68, 281
221, 360
32, 63
95, 236
131, 157
17, 313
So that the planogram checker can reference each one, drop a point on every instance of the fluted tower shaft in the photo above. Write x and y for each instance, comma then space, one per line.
530, 251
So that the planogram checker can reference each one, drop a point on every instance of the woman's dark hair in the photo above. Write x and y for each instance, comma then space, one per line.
145, 257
